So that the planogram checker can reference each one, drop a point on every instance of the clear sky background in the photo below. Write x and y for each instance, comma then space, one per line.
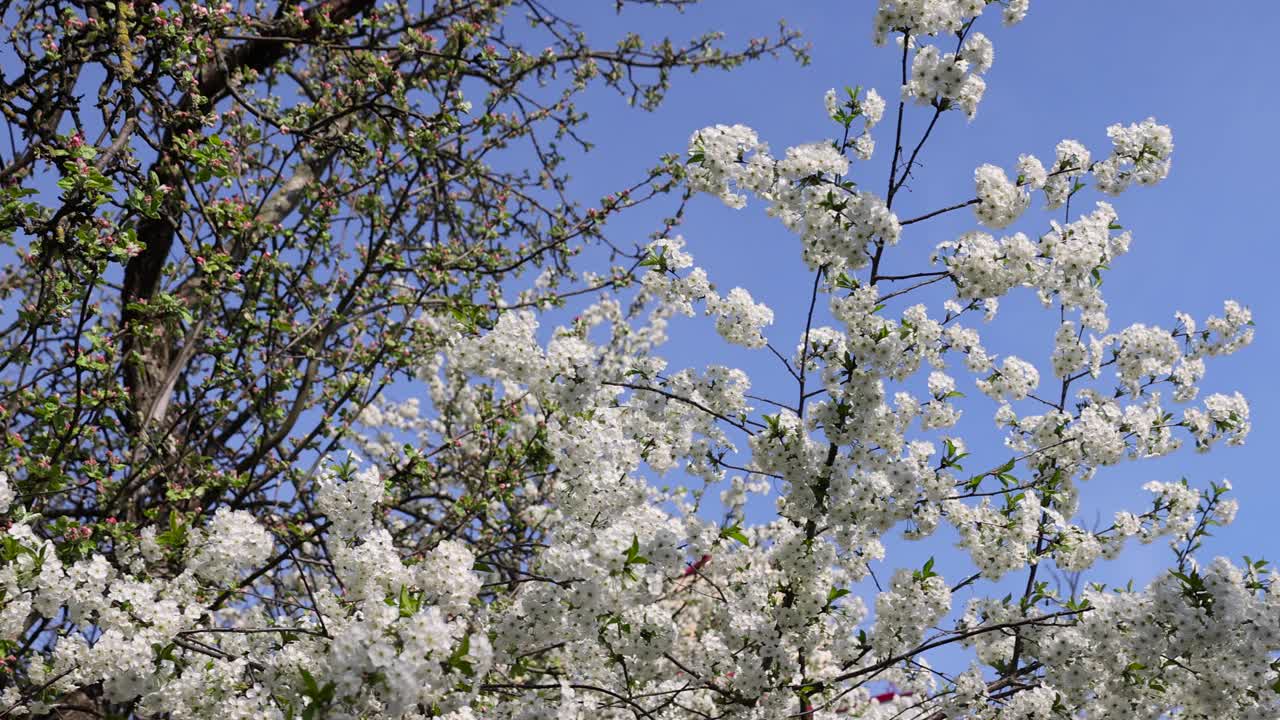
1206, 234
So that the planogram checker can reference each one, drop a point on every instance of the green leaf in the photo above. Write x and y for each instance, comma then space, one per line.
925, 572
735, 533
654, 260
309, 686
633, 556
809, 689
845, 282
321, 697
458, 660
774, 422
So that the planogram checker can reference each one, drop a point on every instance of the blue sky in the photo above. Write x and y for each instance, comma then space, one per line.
1068, 71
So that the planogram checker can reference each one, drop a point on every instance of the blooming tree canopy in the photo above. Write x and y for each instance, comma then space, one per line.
497, 546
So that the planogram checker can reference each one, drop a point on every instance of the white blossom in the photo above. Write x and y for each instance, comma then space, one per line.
232, 543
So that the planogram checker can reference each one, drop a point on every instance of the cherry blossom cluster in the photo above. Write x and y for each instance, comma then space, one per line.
846, 111
951, 79
936, 17
1065, 265
806, 189
739, 319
